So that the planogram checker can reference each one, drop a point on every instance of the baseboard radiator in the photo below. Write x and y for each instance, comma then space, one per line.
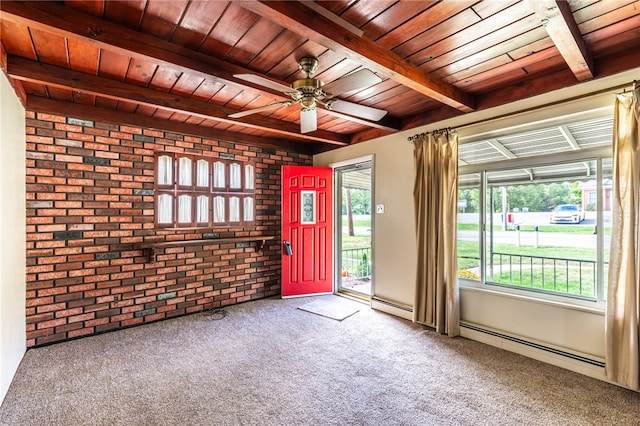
534, 345
392, 304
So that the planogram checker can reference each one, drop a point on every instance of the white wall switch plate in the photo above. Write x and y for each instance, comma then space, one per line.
379, 208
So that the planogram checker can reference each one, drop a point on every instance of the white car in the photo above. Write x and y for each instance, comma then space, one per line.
567, 213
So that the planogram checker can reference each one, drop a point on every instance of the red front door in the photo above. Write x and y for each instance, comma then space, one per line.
307, 230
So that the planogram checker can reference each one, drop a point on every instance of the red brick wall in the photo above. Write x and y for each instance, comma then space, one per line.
90, 200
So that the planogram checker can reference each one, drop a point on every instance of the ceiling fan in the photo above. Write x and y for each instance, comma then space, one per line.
310, 92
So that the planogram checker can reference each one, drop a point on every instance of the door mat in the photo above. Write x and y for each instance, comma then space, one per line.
329, 308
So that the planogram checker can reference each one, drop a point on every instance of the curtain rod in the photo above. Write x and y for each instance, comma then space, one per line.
417, 135
625, 86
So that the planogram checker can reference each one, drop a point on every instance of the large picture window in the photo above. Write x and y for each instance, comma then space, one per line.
199, 192
533, 222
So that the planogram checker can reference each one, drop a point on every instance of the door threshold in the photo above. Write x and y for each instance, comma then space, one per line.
354, 295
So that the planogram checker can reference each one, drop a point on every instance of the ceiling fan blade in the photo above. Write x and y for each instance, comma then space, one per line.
373, 114
308, 120
354, 81
259, 109
252, 78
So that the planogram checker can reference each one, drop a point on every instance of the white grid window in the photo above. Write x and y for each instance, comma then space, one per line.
201, 192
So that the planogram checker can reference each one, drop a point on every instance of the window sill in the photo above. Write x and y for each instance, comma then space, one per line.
597, 308
152, 247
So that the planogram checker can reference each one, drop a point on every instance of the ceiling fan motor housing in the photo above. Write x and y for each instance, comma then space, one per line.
308, 91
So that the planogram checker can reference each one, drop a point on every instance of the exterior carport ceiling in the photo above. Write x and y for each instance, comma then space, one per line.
555, 141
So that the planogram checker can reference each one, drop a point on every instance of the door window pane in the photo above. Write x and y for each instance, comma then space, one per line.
353, 210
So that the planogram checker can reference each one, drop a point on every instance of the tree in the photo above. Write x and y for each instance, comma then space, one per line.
536, 197
360, 201
559, 193
530, 197
472, 195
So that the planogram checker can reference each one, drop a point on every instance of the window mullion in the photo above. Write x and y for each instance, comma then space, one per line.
600, 233
483, 226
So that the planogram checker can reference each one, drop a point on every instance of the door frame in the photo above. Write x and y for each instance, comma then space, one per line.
337, 216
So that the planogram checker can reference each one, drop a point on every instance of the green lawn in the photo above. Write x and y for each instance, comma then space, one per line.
357, 222
469, 249
574, 278
357, 241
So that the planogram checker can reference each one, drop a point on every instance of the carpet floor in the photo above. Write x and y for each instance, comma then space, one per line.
269, 363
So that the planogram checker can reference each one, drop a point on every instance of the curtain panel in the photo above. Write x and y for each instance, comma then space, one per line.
622, 352
435, 194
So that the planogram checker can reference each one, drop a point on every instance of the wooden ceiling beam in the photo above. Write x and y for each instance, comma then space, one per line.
35, 72
302, 20
70, 23
88, 112
16, 84
558, 20
534, 85
73, 24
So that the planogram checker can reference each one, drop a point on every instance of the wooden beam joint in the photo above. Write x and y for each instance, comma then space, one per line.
558, 20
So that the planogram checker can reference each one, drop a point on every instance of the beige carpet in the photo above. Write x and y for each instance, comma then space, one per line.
270, 363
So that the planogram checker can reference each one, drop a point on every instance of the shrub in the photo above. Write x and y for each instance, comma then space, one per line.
363, 266
465, 273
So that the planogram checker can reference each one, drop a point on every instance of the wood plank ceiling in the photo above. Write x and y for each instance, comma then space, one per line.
174, 65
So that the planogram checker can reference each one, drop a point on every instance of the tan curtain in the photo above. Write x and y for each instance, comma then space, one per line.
622, 357
435, 194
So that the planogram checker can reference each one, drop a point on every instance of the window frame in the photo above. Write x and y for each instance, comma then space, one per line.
600, 155
176, 190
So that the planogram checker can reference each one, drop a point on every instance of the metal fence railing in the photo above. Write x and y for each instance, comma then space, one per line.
356, 262
574, 277
553, 274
